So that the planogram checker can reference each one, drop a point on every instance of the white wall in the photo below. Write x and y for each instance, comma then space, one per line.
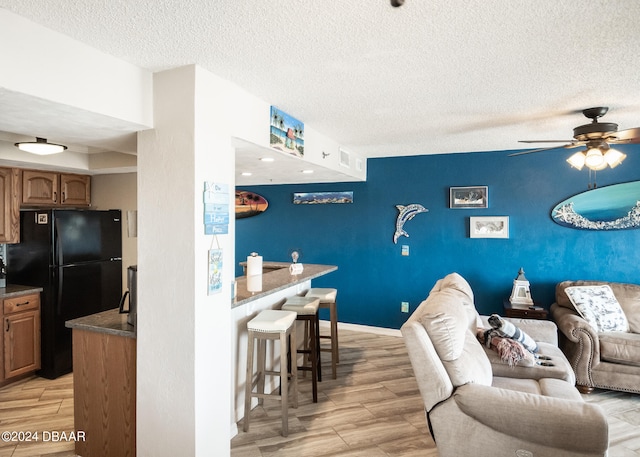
184, 360
118, 191
51, 66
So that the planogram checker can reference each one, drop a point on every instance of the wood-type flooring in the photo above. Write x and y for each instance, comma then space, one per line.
373, 409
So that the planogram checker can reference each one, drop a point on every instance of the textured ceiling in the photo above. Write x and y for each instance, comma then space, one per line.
428, 77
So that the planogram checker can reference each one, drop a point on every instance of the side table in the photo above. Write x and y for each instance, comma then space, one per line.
523, 311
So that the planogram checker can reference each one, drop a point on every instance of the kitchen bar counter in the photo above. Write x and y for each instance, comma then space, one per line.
14, 290
111, 322
276, 280
104, 384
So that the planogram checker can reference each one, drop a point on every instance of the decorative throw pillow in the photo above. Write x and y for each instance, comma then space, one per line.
599, 307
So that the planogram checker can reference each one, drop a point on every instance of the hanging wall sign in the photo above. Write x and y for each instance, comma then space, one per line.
216, 208
615, 207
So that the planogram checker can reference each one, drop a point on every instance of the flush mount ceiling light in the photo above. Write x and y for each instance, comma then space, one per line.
267, 159
40, 147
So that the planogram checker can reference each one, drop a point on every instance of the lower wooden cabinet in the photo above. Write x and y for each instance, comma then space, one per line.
104, 393
21, 336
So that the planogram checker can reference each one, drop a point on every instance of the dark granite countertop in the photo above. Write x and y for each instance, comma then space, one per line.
15, 290
110, 321
277, 280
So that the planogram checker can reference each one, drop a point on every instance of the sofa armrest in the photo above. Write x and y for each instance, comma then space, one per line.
581, 343
536, 418
539, 330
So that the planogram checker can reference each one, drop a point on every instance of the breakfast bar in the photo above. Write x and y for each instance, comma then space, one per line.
104, 384
278, 284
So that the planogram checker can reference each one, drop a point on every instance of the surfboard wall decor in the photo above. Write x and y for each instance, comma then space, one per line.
615, 207
249, 204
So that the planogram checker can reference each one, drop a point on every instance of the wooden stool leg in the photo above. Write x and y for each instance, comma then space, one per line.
314, 359
261, 375
294, 369
248, 382
284, 384
316, 323
335, 357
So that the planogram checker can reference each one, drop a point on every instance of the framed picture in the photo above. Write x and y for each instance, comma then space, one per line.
469, 197
489, 227
319, 198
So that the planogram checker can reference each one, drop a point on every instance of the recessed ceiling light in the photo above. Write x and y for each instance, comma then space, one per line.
246, 173
267, 159
307, 172
40, 147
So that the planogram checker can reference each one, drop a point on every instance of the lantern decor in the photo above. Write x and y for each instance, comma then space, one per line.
521, 294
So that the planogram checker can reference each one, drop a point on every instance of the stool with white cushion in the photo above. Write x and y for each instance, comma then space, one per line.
327, 298
306, 309
275, 325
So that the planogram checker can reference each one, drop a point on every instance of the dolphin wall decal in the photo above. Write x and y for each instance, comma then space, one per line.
406, 214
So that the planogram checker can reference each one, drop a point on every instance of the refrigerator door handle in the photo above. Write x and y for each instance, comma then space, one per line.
57, 243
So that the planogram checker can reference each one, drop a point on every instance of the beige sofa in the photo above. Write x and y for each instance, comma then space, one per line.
476, 405
606, 360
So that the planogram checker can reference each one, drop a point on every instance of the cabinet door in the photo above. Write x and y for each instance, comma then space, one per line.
75, 190
9, 205
39, 187
21, 343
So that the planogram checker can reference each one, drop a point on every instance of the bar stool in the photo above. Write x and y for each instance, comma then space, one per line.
271, 324
327, 298
306, 309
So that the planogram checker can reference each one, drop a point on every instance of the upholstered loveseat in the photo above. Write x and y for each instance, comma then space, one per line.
600, 359
476, 405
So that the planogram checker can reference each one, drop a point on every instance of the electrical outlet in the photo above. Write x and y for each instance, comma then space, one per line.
404, 306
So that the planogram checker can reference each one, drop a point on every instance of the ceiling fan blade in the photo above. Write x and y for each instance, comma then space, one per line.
626, 136
544, 141
529, 151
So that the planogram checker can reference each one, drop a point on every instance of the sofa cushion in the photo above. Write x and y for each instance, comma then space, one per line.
459, 289
554, 365
462, 355
599, 307
628, 295
549, 387
618, 347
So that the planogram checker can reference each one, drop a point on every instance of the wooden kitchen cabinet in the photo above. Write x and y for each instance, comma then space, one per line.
9, 205
21, 340
55, 189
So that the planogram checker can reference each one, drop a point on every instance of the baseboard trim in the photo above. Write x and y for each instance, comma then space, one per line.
363, 328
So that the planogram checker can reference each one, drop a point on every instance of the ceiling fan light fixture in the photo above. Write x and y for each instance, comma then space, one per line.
40, 147
577, 160
613, 157
594, 159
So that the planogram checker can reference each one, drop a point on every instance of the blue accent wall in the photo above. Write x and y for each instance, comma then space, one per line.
373, 278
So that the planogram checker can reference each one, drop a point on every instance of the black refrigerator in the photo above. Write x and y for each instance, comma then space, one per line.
76, 257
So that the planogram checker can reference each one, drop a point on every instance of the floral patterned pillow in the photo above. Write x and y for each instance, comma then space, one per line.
599, 307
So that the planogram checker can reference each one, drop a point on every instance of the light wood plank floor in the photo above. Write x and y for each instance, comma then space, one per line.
372, 409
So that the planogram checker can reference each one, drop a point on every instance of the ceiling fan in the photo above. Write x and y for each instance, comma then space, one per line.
596, 137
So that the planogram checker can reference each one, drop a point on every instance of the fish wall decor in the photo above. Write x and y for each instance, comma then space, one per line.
407, 212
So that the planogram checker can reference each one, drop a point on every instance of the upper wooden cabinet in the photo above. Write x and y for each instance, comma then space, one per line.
9, 205
55, 189
75, 190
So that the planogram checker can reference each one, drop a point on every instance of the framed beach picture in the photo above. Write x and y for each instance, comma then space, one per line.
489, 227
469, 197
